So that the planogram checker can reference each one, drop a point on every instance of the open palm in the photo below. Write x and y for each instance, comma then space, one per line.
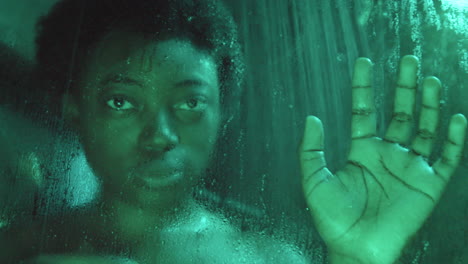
367, 211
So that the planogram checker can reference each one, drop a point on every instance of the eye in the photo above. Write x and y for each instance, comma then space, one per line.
119, 103
194, 104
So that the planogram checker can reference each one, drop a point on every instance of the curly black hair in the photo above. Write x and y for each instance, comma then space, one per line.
73, 27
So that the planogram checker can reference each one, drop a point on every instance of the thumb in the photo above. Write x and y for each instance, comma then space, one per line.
313, 134
311, 154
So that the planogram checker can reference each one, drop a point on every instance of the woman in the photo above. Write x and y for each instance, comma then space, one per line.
147, 85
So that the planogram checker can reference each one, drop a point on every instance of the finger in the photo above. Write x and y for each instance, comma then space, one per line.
315, 175
317, 181
399, 130
429, 119
311, 154
363, 122
445, 166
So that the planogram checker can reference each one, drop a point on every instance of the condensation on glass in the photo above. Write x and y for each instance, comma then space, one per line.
299, 56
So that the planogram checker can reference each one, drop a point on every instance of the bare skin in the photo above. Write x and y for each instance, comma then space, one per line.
369, 209
198, 237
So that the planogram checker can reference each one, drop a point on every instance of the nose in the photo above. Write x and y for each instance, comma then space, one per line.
159, 134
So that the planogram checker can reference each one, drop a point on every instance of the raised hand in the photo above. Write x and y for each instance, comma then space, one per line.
367, 211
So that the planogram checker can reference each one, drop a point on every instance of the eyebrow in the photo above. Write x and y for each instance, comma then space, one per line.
194, 82
120, 79
191, 83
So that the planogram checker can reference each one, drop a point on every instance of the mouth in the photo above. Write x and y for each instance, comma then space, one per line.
159, 181
156, 175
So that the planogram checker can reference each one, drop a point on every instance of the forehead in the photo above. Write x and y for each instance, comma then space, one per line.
132, 53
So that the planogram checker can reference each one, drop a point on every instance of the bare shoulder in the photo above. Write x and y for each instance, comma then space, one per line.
273, 250
254, 247
210, 238
202, 237
201, 227
200, 224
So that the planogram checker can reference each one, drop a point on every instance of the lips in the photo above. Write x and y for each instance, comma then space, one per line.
158, 174
151, 182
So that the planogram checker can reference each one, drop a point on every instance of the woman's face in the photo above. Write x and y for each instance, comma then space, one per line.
147, 114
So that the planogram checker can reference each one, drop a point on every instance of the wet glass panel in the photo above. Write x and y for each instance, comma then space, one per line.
184, 147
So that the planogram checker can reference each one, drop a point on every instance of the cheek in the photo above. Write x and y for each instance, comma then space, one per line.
108, 149
203, 140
